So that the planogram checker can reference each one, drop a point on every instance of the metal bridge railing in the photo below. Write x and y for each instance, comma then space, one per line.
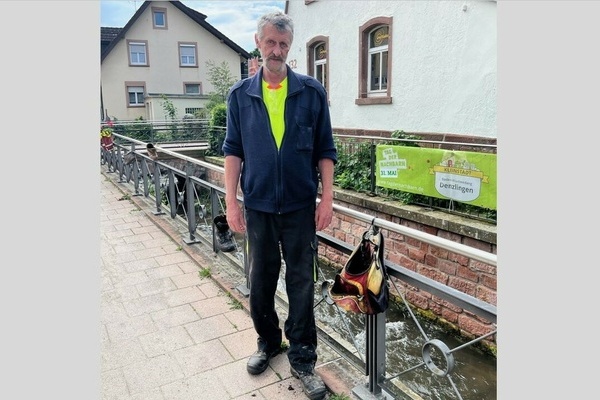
437, 357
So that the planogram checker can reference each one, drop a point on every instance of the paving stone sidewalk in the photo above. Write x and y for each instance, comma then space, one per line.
169, 334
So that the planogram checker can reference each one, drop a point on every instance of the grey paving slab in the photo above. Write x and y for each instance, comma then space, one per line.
167, 333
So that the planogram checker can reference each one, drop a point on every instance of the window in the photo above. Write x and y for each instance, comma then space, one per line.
193, 110
159, 18
378, 59
192, 88
187, 54
317, 60
135, 94
374, 62
138, 53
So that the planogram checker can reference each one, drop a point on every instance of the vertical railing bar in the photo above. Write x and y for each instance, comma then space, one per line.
214, 211
191, 205
375, 364
373, 167
157, 190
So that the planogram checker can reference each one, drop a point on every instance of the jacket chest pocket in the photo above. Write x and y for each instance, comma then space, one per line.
305, 139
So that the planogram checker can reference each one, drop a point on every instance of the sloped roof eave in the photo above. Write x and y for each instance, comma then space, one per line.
196, 16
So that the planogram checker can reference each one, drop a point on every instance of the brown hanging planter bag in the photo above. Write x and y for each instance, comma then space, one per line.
362, 284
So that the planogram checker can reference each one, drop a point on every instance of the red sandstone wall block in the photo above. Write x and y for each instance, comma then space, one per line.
432, 273
413, 242
407, 263
449, 315
341, 235
417, 255
394, 236
482, 267
489, 281
486, 294
395, 247
463, 285
449, 306
417, 299
467, 273
450, 236
448, 267
430, 229
438, 252
412, 224
345, 226
396, 258
472, 326
462, 260
435, 307
431, 260
478, 244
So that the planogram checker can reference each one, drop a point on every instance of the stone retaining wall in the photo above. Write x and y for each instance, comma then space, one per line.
457, 271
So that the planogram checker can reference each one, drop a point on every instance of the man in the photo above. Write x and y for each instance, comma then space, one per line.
278, 144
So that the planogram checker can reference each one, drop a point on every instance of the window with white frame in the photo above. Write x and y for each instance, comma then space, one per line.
320, 57
317, 51
193, 110
135, 95
138, 52
192, 88
159, 17
375, 55
378, 60
187, 55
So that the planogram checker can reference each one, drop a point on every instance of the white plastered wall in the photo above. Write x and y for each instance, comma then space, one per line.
444, 59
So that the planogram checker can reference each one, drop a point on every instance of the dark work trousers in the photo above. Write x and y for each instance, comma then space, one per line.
295, 232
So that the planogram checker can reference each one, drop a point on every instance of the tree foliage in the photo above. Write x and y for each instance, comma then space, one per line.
221, 78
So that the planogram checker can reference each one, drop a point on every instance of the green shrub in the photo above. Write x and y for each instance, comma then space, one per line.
218, 121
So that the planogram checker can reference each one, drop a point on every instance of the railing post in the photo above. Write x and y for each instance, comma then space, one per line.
214, 211
157, 193
373, 168
119, 165
145, 177
375, 358
375, 351
191, 206
136, 176
171, 194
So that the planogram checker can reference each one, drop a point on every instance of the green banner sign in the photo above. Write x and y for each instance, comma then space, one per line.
464, 176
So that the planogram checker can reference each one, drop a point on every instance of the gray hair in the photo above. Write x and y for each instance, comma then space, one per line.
279, 20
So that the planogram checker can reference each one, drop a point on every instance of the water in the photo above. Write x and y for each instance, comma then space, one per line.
472, 378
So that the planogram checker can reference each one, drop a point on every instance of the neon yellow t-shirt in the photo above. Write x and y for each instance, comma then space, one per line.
274, 99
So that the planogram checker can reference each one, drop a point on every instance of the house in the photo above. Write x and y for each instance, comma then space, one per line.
424, 67
162, 51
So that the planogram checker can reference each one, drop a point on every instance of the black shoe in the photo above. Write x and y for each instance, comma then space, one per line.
312, 384
259, 361
225, 239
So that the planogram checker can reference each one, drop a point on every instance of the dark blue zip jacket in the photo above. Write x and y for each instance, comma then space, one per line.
284, 180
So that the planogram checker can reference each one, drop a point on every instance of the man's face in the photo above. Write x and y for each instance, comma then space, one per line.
274, 48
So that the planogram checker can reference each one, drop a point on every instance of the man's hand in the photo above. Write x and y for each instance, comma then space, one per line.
235, 219
324, 213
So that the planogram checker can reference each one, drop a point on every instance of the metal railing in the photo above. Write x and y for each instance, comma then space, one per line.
195, 129
186, 200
